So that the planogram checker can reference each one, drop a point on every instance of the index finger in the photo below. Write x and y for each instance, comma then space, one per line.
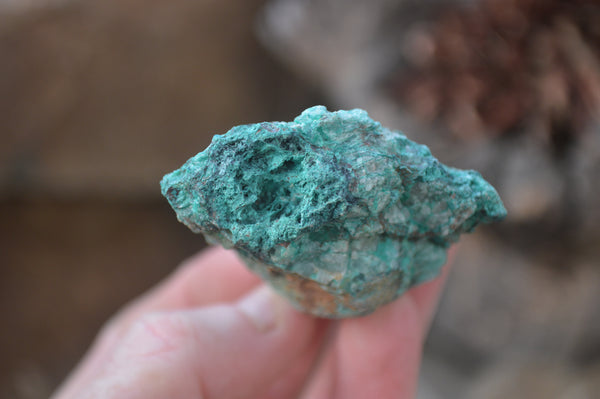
213, 276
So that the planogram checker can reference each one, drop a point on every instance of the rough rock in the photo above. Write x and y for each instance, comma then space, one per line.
338, 213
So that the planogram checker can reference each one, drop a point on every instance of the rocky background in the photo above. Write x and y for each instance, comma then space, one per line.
98, 99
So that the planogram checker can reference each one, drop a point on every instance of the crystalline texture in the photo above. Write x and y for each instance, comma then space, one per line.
338, 213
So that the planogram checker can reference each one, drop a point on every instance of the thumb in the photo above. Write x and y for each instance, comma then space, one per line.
237, 350
253, 345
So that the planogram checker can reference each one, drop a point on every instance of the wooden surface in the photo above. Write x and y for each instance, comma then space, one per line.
67, 266
99, 99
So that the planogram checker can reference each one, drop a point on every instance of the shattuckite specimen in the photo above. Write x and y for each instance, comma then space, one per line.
339, 214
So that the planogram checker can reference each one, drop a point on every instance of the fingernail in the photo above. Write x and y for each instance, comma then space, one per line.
263, 308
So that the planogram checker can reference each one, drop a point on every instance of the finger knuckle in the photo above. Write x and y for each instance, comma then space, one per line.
157, 334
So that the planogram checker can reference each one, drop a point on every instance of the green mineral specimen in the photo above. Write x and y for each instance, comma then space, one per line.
338, 213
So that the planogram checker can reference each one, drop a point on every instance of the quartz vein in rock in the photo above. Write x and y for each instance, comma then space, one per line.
338, 213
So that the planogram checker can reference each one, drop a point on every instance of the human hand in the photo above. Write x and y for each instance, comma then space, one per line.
213, 330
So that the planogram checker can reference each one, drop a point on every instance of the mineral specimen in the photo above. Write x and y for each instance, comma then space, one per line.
338, 213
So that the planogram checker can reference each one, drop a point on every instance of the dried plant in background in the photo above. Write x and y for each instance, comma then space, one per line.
505, 66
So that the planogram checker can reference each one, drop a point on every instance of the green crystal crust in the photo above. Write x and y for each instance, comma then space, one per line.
338, 213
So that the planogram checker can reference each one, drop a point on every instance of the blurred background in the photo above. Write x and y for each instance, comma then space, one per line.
99, 99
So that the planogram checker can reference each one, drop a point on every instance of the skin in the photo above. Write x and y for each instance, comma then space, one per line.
214, 330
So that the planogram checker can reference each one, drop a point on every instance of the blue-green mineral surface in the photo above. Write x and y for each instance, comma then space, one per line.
338, 213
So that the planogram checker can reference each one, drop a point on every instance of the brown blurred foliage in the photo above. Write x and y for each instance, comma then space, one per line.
506, 66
